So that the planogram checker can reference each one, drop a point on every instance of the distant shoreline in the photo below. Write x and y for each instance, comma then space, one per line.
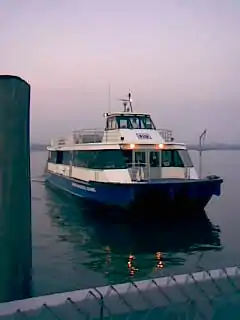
214, 147
210, 147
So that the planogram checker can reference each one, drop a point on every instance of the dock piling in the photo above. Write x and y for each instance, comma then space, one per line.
15, 189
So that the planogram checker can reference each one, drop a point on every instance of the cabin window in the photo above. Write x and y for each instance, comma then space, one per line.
171, 158
52, 156
100, 159
109, 159
185, 158
140, 158
128, 157
67, 157
167, 158
59, 159
176, 158
83, 159
154, 159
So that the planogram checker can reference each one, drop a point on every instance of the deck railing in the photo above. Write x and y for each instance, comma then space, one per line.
143, 171
95, 135
88, 135
203, 295
166, 134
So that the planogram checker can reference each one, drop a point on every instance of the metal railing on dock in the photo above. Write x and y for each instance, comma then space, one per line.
210, 294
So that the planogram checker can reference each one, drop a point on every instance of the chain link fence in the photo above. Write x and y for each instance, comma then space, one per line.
210, 294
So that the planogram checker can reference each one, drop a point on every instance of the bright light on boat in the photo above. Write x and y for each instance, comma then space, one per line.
132, 146
160, 146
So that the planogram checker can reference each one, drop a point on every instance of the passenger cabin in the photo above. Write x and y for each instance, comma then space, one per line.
129, 141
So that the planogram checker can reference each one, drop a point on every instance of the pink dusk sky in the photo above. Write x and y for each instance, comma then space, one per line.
181, 60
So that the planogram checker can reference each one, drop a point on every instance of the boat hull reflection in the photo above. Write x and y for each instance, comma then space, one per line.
120, 250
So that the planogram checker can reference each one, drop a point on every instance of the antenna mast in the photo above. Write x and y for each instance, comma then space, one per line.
202, 138
130, 100
126, 102
109, 98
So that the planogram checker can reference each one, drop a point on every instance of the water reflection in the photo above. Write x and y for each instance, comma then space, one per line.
121, 251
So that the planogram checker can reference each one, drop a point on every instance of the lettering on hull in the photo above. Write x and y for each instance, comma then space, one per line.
86, 188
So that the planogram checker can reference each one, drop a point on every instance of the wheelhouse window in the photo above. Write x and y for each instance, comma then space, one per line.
112, 123
130, 122
147, 122
135, 122
123, 123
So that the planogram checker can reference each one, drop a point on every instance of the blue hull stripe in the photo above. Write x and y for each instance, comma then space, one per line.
164, 192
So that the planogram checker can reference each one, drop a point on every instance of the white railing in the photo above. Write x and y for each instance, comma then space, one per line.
166, 134
88, 135
139, 172
144, 171
95, 135
58, 142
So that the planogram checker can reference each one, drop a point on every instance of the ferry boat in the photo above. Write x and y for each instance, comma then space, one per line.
129, 164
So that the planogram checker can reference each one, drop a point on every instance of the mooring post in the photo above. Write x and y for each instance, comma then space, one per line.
15, 189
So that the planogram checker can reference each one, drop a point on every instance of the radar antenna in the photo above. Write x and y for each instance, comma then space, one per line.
127, 102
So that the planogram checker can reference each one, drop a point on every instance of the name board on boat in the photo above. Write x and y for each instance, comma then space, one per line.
143, 136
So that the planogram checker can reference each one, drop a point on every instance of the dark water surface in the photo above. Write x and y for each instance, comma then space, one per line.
74, 249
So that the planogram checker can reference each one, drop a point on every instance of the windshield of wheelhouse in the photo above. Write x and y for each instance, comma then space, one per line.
135, 122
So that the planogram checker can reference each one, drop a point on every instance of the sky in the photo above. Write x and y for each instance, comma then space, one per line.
179, 58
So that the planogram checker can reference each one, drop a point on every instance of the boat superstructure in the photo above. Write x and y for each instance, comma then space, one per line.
127, 162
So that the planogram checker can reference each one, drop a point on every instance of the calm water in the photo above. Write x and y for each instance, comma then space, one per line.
72, 249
